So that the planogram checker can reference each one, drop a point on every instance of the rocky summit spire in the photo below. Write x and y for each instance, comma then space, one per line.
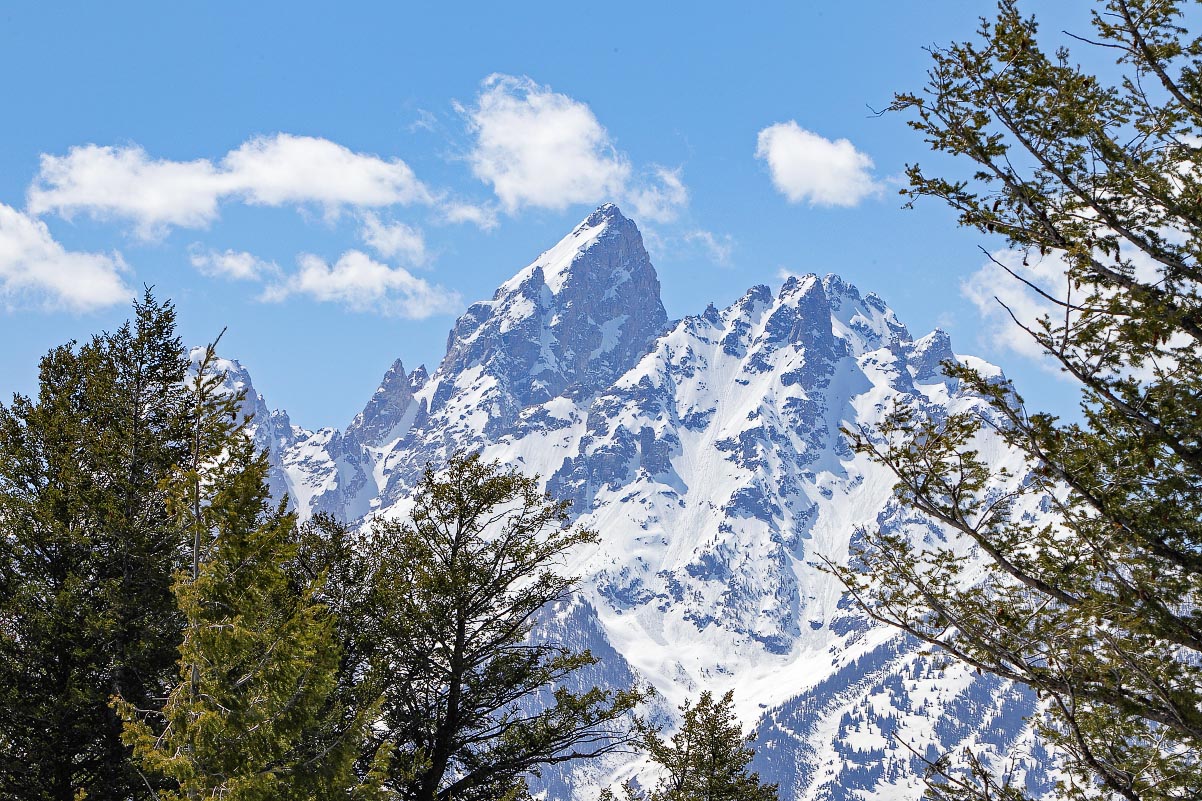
387, 407
570, 322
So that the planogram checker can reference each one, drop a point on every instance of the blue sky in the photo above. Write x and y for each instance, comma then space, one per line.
333, 183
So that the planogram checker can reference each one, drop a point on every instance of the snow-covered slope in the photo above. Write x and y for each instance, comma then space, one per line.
708, 454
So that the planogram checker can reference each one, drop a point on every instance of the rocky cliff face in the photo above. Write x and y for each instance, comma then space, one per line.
560, 331
708, 453
377, 424
320, 471
565, 326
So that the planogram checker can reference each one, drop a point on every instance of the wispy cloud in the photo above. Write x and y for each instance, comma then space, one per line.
236, 264
717, 247
990, 287
660, 198
360, 283
424, 120
393, 240
483, 217
285, 169
35, 270
807, 167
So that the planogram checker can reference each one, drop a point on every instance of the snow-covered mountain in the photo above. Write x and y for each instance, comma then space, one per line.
707, 452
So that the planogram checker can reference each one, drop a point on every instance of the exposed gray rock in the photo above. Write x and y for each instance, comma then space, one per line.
708, 454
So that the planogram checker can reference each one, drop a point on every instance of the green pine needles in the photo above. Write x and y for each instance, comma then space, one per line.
168, 630
1095, 603
87, 553
258, 662
707, 759
472, 703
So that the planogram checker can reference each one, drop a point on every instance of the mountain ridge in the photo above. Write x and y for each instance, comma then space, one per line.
708, 453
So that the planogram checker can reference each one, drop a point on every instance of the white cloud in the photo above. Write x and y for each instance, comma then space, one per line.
392, 240
483, 217
110, 182
718, 248
805, 166
991, 284
235, 264
282, 169
363, 284
540, 148
36, 269
659, 200
126, 183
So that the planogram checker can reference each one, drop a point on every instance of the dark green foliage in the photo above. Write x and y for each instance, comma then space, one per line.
144, 575
706, 760
471, 704
86, 556
246, 720
1098, 608
336, 561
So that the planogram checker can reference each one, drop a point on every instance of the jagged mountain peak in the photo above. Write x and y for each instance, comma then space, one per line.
710, 456
570, 322
387, 407
928, 353
865, 322
836, 286
236, 379
559, 266
604, 212
418, 378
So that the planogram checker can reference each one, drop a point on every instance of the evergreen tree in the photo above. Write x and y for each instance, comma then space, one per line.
472, 704
336, 560
258, 660
150, 420
86, 556
706, 760
1095, 605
